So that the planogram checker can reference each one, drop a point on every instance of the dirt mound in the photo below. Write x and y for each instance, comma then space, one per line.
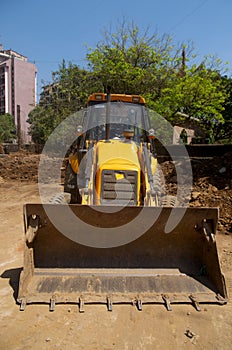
23, 166
20, 166
211, 185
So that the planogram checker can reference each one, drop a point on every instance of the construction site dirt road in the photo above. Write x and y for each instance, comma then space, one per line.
125, 327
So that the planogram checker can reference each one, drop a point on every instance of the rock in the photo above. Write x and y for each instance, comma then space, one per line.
212, 188
173, 179
195, 195
189, 333
222, 170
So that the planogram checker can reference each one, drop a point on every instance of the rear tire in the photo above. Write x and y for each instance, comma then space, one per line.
75, 196
159, 184
70, 180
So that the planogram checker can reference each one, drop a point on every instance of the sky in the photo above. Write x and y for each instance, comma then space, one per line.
48, 31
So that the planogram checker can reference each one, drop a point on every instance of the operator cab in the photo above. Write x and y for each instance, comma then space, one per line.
122, 114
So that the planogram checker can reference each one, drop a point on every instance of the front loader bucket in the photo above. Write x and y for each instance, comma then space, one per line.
181, 266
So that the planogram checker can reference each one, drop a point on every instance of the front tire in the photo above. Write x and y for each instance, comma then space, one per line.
70, 185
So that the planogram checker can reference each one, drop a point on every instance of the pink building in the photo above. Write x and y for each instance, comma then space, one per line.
17, 88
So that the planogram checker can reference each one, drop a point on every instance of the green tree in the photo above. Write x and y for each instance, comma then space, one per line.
42, 122
66, 95
132, 62
199, 94
7, 128
72, 86
151, 66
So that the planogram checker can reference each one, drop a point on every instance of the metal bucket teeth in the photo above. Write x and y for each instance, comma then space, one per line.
177, 267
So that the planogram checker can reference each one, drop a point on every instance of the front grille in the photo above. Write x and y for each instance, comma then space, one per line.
119, 187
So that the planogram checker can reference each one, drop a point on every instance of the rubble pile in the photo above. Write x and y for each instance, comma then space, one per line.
211, 185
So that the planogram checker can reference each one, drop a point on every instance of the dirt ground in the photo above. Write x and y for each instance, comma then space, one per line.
125, 327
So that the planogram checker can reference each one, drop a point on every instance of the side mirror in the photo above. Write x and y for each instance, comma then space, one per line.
151, 134
79, 130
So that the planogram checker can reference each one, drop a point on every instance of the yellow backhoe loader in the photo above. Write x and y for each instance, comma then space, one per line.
111, 243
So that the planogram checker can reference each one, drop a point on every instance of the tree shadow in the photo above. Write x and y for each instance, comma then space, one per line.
13, 276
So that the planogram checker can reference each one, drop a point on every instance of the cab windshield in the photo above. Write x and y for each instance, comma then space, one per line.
122, 116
